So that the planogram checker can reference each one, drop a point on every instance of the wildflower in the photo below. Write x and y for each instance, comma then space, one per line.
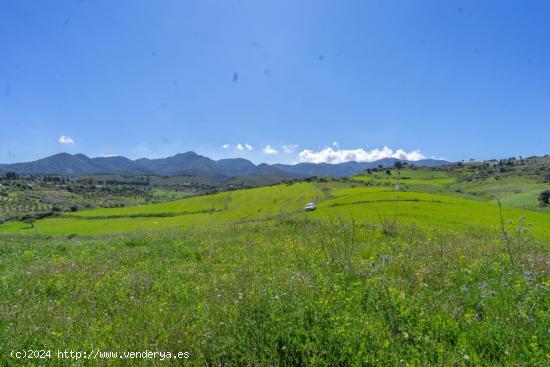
493, 293
466, 357
464, 289
405, 335
385, 258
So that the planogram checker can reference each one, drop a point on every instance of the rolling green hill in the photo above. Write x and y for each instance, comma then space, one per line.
428, 199
373, 276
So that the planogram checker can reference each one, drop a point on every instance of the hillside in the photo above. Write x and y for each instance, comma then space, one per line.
429, 198
374, 276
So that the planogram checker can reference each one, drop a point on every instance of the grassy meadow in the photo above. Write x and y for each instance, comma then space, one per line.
423, 276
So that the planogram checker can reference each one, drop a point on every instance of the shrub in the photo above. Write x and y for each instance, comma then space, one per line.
28, 219
544, 197
11, 175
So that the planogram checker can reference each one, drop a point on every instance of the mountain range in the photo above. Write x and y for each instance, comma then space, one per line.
192, 164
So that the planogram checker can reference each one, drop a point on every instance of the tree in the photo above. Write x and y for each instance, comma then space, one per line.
388, 172
29, 219
544, 197
11, 175
398, 164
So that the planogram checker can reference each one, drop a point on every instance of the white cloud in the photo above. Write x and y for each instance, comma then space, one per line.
290, 148
65, 140
329, 155
225, 146
268, 149
336, 144
242, 147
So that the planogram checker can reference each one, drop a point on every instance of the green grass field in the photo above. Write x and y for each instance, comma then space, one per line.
374, 276
409, 177
517, 191
371, 204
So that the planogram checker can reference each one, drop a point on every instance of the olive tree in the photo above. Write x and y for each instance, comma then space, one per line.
544, 197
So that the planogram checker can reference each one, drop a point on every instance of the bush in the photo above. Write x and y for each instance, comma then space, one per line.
28, 219
544, 197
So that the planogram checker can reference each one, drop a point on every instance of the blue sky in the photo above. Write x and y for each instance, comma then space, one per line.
452, 79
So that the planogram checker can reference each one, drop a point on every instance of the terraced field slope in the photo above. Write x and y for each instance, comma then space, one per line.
427, 199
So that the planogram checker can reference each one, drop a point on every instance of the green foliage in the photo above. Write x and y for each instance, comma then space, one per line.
52, 193
289, 292
334, 200
373, 277
28, 219
11, 175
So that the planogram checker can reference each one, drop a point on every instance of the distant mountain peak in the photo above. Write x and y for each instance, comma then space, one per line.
187, 154
193, 164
